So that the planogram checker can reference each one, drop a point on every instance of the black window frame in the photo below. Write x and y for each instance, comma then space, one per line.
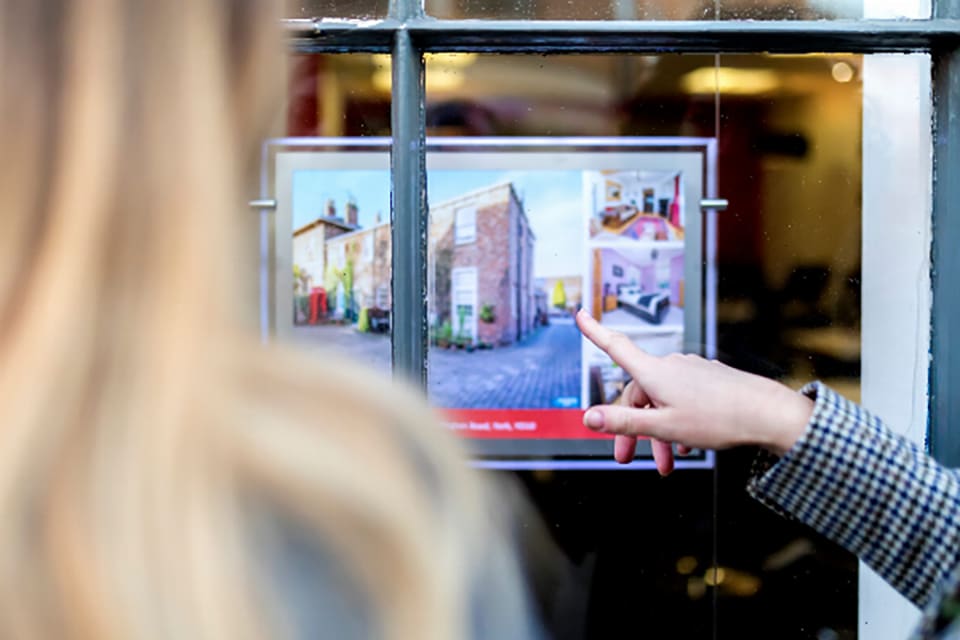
407, 34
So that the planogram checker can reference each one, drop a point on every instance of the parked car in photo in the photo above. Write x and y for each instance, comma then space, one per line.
379, 320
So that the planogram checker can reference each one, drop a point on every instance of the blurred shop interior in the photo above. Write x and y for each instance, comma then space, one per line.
789, 132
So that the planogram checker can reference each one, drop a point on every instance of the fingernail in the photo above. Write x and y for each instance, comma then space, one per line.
593, 419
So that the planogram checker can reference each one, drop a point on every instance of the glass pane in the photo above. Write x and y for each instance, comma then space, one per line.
788, 252
805, 144
358, 9
677, 9
339, 95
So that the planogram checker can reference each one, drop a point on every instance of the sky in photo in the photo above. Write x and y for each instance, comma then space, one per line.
552, 200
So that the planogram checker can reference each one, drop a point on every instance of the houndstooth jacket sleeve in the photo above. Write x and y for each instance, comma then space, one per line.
870, 490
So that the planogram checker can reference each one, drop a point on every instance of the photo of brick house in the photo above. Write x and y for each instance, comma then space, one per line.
481, 266
368, 251
339, 268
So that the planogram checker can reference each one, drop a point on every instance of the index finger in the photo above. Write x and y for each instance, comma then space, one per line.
616, 345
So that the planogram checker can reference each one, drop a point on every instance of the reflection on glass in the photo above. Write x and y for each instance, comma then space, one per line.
569, 95
789, 137
336, 9
649, 9
337, 95
788, 130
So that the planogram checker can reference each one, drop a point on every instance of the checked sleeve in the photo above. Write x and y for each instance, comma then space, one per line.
870, 490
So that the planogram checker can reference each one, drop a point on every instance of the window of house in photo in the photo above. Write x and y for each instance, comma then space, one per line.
465, 225
383, 297
820, 267
368, 248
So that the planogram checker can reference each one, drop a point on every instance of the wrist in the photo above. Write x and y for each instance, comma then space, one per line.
791, 415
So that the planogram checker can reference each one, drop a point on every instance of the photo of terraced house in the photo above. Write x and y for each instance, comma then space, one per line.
480, 269
342, 271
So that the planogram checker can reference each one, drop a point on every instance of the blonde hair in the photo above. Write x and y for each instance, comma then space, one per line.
142, 430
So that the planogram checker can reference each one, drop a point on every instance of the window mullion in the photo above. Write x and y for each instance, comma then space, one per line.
945, 259
403, 10
946, 9
408, 212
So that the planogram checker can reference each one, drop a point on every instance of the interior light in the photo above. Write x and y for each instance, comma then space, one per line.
382, 80
842, 72
715, 576
453, 60
730, 80
444, 71
696, 588
686, 565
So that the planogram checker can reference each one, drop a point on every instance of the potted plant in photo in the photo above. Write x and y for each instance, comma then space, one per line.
461, 325
444, 334
487, 315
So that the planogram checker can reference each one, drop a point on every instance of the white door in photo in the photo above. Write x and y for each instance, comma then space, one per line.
463, 301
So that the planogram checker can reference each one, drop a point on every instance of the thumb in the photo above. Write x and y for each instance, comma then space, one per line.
630, 421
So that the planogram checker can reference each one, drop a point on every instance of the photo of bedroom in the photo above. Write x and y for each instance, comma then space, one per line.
639, 286
636, 205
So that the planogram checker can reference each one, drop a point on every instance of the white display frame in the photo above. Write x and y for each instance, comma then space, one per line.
285, 155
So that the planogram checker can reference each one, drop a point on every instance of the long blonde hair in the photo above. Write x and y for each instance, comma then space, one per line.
141, 429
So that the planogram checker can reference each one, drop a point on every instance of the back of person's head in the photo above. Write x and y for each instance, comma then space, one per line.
162, 475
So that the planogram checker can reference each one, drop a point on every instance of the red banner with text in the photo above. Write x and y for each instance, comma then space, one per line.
516, 424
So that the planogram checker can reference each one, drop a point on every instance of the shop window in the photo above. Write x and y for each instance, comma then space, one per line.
805, 144
383, 297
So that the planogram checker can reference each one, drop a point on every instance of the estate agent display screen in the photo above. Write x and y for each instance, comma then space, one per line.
522, 234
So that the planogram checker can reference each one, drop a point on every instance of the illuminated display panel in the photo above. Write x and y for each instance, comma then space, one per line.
522, 234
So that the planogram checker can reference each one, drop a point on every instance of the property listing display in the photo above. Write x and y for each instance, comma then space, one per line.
519, 239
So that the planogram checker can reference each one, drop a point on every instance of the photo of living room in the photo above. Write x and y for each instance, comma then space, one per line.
636, 205
639, 286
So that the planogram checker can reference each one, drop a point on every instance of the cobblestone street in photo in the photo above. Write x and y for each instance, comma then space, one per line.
536, 373
540, 372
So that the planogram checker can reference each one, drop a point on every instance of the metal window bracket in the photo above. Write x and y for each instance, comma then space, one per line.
714, 204
264, 203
